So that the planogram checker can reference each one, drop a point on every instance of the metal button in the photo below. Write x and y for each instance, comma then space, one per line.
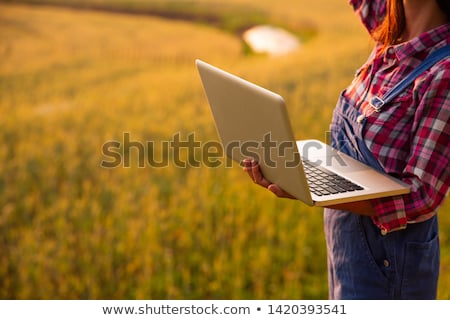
386, 263
384, 232
360, 118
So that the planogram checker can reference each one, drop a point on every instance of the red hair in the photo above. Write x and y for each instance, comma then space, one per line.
394, 23
391, 30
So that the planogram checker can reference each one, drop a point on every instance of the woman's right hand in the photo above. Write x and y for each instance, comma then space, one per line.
254, 172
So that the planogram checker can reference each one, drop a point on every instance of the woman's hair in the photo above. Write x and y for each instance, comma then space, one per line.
391, 30
394, 23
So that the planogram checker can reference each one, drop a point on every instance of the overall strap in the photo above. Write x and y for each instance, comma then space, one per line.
377, 103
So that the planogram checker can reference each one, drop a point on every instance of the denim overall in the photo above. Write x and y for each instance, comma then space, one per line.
363, 262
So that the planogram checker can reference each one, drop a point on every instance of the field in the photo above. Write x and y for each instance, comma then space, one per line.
72, 80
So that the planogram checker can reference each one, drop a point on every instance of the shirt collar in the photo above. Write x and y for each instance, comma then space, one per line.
420, 46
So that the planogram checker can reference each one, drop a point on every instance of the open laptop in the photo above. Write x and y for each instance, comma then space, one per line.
253, 123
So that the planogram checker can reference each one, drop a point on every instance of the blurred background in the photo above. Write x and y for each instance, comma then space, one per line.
77, 74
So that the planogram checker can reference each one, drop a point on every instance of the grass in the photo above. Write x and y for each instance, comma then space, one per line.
234, 16
69, 229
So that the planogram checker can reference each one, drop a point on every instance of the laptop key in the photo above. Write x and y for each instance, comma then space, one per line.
324, 182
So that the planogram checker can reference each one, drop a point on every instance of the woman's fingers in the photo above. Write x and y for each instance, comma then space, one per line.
258, 177
254, 172
279, 192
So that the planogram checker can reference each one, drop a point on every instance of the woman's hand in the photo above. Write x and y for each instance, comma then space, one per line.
254, 172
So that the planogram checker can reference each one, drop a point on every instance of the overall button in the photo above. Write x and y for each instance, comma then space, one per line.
360, 118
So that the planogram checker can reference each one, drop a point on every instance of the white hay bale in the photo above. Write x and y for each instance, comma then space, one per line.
271, 40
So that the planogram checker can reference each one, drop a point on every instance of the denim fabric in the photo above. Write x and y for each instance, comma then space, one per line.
363, 263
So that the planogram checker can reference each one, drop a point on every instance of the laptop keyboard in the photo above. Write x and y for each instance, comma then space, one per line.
324, 182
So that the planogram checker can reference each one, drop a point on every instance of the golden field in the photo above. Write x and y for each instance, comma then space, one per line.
72, 80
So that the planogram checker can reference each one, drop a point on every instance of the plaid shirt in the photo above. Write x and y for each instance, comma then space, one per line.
410, 137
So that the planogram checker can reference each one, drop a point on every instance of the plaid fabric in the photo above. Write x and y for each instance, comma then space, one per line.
410, 137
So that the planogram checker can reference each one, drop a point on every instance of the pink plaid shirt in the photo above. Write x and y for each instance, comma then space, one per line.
410, 137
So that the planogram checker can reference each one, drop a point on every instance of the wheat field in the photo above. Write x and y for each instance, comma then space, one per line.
72, 80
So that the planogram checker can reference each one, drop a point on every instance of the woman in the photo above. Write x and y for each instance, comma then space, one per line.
388, 248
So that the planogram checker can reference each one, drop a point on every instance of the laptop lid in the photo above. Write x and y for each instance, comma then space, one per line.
252, 122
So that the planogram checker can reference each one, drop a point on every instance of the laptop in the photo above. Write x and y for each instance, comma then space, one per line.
252, 123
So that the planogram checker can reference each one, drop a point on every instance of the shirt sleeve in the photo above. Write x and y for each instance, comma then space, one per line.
427, 170
371, 12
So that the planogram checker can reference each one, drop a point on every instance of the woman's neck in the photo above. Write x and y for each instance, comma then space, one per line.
421, 16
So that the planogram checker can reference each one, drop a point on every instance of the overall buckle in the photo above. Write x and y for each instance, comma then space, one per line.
377, 103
